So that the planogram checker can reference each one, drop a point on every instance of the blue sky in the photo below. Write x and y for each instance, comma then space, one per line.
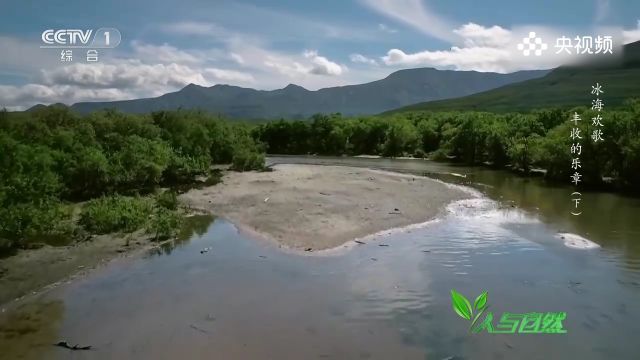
268, 44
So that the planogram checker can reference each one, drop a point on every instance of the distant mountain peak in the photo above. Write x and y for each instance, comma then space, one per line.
192, 86
294, 87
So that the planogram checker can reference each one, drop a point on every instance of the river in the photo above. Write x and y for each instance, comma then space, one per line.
245, 299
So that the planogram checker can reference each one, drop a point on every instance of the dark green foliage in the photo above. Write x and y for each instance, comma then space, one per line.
51, 156
401, 138
164, 224
521, 141
245, 160
23, 223
167, 199
115, 213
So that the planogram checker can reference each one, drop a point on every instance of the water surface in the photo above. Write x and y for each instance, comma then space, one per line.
246, 299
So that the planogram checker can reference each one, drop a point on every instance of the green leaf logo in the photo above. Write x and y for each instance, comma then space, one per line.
461, 305
481, 302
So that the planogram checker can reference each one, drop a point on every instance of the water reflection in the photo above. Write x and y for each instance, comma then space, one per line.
246, 299
30, 330
193, 226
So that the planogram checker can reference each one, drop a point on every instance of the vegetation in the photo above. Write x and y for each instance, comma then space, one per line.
520, 141
168, 200
115, 214
164, 224
52, 158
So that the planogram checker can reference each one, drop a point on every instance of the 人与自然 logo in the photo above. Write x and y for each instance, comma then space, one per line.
507, 323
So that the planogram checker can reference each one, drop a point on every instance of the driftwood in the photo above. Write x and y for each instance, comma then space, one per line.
198, 329
74, 347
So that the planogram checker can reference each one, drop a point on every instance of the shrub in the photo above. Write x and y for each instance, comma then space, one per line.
245, 160
115, 213
419, 153
21, 224
439, 155
164, 224
167, 199
184, 169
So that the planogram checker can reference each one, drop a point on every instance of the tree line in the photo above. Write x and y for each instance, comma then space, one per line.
539, 139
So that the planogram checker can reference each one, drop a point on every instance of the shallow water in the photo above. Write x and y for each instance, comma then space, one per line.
247, 299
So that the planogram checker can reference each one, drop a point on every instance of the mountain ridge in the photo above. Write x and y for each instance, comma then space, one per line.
565, 86
400, 88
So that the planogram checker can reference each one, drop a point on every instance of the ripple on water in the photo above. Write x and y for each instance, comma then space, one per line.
575, 241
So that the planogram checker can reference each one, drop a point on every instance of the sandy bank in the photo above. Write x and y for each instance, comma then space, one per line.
321, 207
31, 272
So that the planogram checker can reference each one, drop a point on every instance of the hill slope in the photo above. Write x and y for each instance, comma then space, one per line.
566, 86
400, 88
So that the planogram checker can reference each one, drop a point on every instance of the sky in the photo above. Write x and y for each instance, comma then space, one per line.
269, 44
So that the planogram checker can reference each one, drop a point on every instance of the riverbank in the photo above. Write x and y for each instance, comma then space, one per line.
300, 207
25, 273
311, 207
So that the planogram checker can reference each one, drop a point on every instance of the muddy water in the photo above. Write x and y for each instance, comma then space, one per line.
245, 299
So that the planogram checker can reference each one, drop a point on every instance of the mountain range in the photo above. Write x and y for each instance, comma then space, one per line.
565, 87
401, 88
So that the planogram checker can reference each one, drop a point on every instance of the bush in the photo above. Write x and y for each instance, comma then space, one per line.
164, 224
167, 199
215, 177
184, 169
115, 213
439, 155
21, 224
245, 160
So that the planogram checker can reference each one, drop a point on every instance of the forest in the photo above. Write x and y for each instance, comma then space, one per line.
519, 141
64, 176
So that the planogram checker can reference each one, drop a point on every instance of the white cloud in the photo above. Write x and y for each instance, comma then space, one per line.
274, 69
475, 35
478, 58
296, 67
237, 58
118, 80
22, 97
485, 49
229, 75
387, 29
359, 58
164, 53
291, 69
195, 28
23, 56
322, 65
632, 35
415, 14
129, 74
